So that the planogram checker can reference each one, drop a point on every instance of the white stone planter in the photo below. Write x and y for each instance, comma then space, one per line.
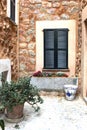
53, 83
70, 91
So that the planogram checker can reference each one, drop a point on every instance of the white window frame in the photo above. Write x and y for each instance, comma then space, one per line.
16, 10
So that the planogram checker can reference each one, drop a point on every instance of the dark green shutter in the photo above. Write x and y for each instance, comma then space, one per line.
62, 44
49, 49
56, 48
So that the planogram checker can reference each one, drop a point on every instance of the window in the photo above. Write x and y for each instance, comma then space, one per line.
55, 48
12, 10
71, 40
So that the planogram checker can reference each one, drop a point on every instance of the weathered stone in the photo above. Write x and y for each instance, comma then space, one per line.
31, 46
22, 38
26, 21
35, 1
31, 53
56, 4
24, 10
51, 11
32, 22
38, 5
23, 45
73, 10
65, 3
41, 16
30, 31
37, 11
23, 51
56, 18
28, 39
64, 16
32, 61
73, 3
46, 4
22, 66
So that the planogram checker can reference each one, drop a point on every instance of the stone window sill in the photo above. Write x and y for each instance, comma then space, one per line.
55, 70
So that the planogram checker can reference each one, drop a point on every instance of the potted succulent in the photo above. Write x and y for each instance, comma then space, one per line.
13, 95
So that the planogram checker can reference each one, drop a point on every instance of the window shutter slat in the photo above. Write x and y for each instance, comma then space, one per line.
49, 59
62, 43
61, 59
49, 39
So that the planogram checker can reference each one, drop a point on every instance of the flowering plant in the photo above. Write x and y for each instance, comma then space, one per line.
49, 74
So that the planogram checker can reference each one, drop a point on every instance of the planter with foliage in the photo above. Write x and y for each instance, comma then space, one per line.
52, 81
49, 74
13, 95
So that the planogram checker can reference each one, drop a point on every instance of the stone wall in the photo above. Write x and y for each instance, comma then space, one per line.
83, 3
8, 39
29, 12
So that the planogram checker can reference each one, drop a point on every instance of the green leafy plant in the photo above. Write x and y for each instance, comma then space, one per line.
18, 92
61, 74
50, 74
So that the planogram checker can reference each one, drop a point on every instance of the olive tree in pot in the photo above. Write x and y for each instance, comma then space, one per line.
13, 95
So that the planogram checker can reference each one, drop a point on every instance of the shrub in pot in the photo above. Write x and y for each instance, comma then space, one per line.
13, 95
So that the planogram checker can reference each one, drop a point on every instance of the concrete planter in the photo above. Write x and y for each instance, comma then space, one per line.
52, 83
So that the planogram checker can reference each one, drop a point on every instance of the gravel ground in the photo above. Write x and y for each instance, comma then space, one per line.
56, 113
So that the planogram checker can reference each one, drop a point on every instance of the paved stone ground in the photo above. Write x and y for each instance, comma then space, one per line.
56, 113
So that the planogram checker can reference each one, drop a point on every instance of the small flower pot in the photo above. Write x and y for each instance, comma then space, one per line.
70, 91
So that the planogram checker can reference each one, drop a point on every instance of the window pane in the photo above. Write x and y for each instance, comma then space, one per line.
49, 39
62, 39
12, 10
49, 59
62, 61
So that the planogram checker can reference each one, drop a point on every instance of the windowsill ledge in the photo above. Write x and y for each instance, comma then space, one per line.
55, 70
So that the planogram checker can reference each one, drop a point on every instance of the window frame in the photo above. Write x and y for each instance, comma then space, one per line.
9, 11
56, 49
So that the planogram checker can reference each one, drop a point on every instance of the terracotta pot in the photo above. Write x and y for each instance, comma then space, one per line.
15, 115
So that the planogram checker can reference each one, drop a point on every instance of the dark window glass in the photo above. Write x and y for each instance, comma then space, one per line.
55, 48
12, 9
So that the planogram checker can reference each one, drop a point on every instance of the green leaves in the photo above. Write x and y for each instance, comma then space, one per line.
18, 92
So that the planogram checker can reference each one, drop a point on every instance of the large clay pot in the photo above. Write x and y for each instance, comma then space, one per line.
14, 115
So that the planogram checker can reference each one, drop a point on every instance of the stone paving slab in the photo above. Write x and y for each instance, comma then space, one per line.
56, 113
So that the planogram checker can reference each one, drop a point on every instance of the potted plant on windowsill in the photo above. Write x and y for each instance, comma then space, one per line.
50, 81
49, 74
13, 95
